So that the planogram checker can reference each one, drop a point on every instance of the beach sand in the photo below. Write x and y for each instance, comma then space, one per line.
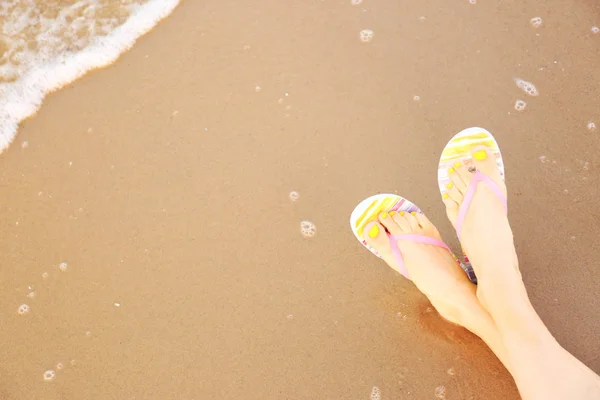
163, 182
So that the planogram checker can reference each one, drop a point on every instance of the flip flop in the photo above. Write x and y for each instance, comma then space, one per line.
458, 150
369, 209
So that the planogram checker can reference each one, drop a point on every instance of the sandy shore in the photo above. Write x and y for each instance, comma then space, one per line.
163, 181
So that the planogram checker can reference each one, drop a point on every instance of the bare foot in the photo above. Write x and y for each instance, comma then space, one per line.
434, 270
486, 235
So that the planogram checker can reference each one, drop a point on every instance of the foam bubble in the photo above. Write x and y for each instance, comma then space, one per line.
450, 371
366, 35
417, 98
308, 229
595, 29
23, 309
45, 275
31, 295
440, 392
375, 393
591, 126
527, 87
356, 2
520, 105
536, 22
49, 375
473, 1
257, 89
59, 366
47, 47
25, 144
63, 266
294, 195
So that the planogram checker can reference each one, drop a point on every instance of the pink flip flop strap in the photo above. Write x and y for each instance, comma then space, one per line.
415, 239
464, 208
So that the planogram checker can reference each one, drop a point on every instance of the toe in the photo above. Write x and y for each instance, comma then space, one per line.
461, 171
452, 207
459, 176
375, 236
389, 223
413, 222
402, 222
423, 221
454, 193
485, 161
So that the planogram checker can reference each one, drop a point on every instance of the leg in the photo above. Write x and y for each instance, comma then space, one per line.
437, 274
541, 367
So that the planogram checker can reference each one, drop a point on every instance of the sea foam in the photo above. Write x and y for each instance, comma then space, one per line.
46, 45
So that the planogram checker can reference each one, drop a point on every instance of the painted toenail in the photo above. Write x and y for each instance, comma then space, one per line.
402, 213
480, 155
413, 213
450, 170
457, 165
392, 213
445, 195
374, 231
384, 215
449, 185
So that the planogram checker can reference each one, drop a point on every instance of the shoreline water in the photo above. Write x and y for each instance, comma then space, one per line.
22, 98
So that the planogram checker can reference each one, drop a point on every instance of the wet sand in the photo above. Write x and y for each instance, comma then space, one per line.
163, 182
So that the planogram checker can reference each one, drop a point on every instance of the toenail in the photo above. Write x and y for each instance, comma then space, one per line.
445, 195
480, 155
449, 185
374, 231
457, 165
413, 213
450, 170
392, 213
402, 213
384, 215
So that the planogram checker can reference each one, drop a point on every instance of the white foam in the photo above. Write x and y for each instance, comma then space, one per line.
375, 393
356, 2
520, 105
59, 366
366, 35
294, 195
23, 309
308, 229
527, 87
595, 29
440, 392
22, 90
63, 266
49, 375
591, 126
536, 22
